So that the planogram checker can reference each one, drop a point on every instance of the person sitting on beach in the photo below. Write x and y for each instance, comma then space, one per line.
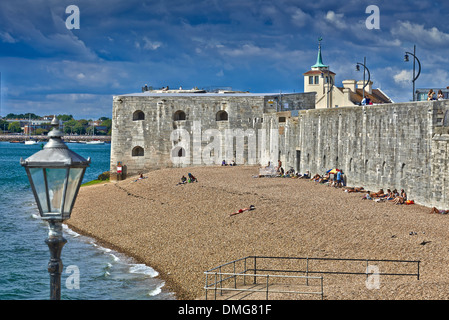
183, 180
280, 172
389, 195
315, 177
233, 163
367, 196
279, 165
306, 175
223, 163
398, 200
324, 179
192, 178
403, 195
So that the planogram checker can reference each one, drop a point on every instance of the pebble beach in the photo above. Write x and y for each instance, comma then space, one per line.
184, 230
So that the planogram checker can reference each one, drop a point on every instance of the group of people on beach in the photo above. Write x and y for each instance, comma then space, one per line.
232, 163
394, 196
190, 179
335, 179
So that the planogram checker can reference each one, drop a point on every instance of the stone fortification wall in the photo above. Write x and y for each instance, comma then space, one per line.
149, 130
402, 145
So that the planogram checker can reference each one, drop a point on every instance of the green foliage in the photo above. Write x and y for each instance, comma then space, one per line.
104, 176
14, 127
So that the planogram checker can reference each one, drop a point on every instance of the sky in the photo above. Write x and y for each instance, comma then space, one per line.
47, 67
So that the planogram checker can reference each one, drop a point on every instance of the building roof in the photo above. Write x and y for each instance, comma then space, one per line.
205, 94
317, 72
376, 97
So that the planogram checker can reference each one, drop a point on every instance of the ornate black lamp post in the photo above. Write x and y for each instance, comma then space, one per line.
55, 175
365, 83
406, 59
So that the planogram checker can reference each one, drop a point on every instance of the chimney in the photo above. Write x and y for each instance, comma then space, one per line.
368, 88
349, 84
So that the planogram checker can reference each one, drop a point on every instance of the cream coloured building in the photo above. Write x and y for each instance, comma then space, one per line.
321, 80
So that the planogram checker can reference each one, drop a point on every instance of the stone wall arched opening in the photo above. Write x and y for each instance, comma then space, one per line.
138, 152
138, 115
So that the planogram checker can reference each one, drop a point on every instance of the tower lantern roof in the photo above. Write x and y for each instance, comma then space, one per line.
319, 60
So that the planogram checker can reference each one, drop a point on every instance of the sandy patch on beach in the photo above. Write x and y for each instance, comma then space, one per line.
184, 230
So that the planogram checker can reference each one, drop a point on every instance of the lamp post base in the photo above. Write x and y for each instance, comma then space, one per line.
55, 242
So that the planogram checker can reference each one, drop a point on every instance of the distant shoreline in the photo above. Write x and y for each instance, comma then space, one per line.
21, 138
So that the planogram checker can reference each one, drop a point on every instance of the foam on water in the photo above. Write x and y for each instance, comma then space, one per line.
143, 269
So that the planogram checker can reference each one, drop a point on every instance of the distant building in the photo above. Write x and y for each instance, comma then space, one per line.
321, 79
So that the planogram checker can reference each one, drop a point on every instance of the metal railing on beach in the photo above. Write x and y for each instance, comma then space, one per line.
233, 276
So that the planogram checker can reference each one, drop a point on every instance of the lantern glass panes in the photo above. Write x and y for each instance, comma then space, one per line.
56, 189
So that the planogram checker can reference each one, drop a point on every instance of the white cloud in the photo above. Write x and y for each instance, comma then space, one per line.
336, 19
6, 37
404, 77
300, 18
418, 33
247, 50
150, 45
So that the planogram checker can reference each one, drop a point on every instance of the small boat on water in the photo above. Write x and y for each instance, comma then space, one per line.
95, 142
31, 142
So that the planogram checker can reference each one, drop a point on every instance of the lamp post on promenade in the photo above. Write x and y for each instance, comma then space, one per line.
365, 83
55, 174
406, 59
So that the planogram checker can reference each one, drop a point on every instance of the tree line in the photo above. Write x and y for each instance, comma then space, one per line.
69, 124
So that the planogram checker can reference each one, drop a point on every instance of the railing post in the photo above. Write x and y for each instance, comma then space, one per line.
221, 282
244, 277
206, 284
267, 285
322, 288
215, 291
235, 278
307, 271
255, 270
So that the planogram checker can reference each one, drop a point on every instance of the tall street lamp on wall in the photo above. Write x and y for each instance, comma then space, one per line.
365, 83
406, 59
55, 174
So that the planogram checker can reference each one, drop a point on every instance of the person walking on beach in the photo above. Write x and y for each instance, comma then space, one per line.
339, 185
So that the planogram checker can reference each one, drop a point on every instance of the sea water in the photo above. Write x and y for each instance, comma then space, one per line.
91, 272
